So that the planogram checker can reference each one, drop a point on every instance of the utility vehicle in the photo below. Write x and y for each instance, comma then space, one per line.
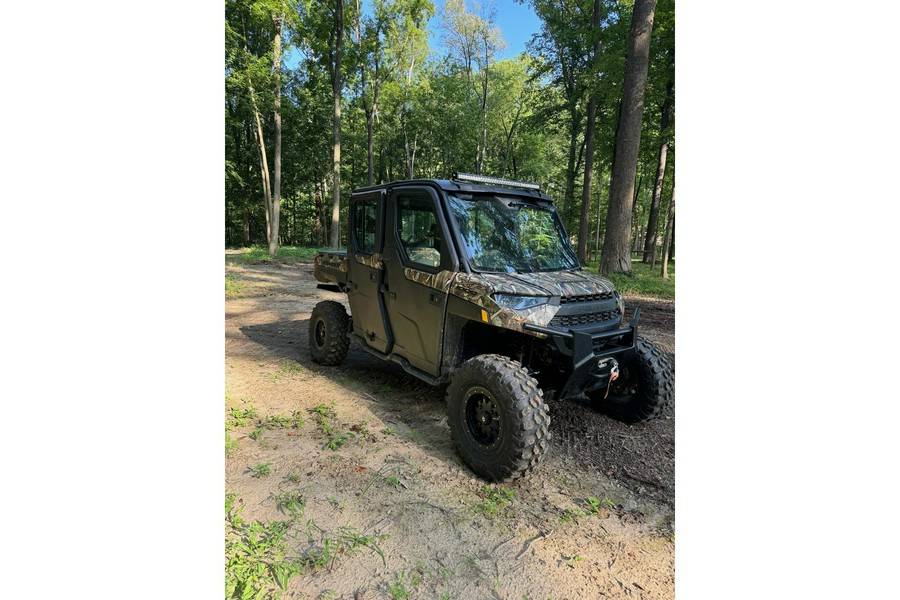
473, 281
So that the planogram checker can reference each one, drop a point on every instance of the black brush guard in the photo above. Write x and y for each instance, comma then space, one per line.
595, 356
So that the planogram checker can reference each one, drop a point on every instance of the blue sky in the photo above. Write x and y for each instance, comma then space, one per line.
517, 22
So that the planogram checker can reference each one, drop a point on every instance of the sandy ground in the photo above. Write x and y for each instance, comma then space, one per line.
398, 479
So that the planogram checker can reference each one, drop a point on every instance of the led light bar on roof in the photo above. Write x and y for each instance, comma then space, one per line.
495, 181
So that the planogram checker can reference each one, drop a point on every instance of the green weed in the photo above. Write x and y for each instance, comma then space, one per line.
240, 416
255, 434
295, 421
261, 470
398, 588
570, 514
256, 564
291, 502
494, 499
326, 411
597, 506
231, 444
233, 285
389, 431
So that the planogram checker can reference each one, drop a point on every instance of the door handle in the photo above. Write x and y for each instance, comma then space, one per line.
434, 299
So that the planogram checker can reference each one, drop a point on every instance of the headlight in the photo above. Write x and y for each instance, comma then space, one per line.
620, 304
520, 302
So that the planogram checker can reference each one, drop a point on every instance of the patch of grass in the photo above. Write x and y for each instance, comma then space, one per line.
286, 254
493, 499
643, 281
570, 514
261, 470
326, 411
256, 434
597, 506
233, 285
393, 481
231, 444
338, 440
293, 478
238, 417
398, 588
295, 421
256, 564
291, 502
389, 431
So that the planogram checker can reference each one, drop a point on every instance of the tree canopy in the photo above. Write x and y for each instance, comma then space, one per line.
419, 90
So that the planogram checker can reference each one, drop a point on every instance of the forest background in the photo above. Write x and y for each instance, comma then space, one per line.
324, 97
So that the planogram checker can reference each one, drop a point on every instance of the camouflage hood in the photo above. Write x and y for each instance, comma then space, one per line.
553, 283
479, 288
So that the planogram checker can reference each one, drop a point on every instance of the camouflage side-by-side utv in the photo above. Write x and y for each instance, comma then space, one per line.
473, 281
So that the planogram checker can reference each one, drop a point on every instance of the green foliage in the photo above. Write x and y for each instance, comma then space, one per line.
431, 107
233, 285
258, 254
295, 421
240, 416
292, 502
494, 499
643, 281
231, 444
261, 470
256, 562
398, 589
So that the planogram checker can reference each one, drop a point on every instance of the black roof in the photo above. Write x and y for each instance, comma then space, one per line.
449, 185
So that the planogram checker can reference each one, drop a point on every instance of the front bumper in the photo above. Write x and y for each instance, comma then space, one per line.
590, 353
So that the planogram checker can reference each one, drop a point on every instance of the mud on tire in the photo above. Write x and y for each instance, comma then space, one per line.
497, 417
644, 387
328, 328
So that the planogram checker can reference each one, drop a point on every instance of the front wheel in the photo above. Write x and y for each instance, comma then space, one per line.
328, 329
497, 417
644, 388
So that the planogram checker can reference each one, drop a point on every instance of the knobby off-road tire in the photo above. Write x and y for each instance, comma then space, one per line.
328, 329
644, 387
497, 417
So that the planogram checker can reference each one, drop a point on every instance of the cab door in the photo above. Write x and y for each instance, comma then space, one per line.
419, 267
366, 270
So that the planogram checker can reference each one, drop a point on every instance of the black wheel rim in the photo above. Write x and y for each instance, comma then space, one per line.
320, 334
482, 417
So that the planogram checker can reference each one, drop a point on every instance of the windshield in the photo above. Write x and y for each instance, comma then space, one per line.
507, 235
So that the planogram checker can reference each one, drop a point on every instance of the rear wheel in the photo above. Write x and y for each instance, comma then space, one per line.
644, 388
328, 329
497, 417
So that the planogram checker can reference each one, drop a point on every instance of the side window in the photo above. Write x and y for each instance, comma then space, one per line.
419, 231
364, 225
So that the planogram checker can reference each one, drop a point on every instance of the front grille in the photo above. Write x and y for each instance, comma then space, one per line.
585, 319
587, 298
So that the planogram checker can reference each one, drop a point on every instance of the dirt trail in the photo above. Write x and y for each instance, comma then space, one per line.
443, 533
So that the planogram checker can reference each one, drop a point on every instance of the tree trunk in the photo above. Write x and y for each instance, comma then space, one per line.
616, 256
670, 233
599, 210
275, 206
589, 156
570, 166
336, 87
652, 220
